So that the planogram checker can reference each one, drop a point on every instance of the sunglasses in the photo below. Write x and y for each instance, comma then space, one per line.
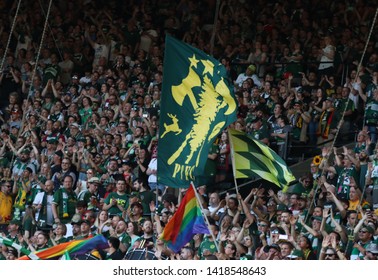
363, 231
262, 225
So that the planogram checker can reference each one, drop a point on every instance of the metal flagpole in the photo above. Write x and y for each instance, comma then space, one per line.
233, 167
214, 27
203, 214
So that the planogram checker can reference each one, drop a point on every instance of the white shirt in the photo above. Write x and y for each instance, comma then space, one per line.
153, 166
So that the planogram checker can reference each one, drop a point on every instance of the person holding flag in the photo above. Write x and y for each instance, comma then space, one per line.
186, 222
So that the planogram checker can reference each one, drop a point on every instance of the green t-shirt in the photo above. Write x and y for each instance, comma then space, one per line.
206, 244
71, 201
29, 226
122, 199
343, 181
147, 197
85, 114
371, 112
260, 134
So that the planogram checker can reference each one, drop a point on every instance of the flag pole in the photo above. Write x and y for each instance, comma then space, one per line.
233, 164
233, 161
203, 214
212, 39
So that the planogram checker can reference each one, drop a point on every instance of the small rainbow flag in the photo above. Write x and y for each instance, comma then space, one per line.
186, 222
76, 247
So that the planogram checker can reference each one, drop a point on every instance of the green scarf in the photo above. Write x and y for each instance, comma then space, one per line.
20, 200
18, 247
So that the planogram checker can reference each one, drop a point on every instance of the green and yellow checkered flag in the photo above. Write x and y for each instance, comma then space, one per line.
197, 103
252, 158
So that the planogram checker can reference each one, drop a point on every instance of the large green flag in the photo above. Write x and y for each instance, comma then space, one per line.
252, 158
197, 103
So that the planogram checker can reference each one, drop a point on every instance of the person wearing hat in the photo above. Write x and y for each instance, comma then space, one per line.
371, 252
22, 161
127, 169
259, 131
21, 189
48, 152
299, 118
14, 229
75, 228
327, 121
85, 230
250, 73
365, 235
11, 254
75, 131
91, 196
273, 251
296, 255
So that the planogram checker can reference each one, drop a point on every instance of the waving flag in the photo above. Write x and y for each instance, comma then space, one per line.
77, 247
18, 247
253, 158
197, 103
186, 222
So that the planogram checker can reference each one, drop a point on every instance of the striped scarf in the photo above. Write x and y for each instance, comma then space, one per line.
18, 247
325, 124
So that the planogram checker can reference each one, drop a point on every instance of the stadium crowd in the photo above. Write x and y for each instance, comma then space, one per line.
79, 126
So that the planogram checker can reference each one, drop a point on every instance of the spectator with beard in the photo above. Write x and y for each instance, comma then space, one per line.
144, 193
65, 170
148, 236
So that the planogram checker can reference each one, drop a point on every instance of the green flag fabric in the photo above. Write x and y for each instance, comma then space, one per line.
197, 103
252, 158
18, 247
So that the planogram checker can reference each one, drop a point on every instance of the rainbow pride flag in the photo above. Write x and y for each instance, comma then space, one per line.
76, 247
186, 222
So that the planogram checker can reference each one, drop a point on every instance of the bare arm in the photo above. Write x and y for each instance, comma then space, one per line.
54, 208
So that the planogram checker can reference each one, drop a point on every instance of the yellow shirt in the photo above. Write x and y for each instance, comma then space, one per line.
353, 206
6, 204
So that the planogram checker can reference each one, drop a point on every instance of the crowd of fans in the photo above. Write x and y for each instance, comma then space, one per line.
79, 127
